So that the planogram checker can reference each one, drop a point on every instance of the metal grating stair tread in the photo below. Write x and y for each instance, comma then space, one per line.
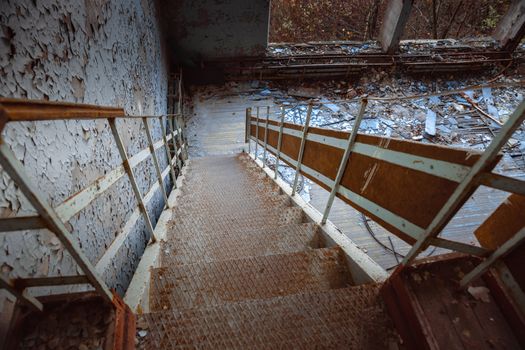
351, 317
227, 245
212, 283
240, 268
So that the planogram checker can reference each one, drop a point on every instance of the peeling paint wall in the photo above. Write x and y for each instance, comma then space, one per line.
204, 29
90, 51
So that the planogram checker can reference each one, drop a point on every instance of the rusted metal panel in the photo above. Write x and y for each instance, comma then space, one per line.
124, 327
503, 223
414, 193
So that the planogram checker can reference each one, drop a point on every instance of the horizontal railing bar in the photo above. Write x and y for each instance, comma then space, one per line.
502, 182
15, 109
74, 204
142, 155
78, 201
22, 283
435, 167
22, 296
114, 247
458, 246
20, 223
32, 110
393, 219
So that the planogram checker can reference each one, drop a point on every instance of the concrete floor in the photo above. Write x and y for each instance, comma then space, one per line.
218, 126
218, 122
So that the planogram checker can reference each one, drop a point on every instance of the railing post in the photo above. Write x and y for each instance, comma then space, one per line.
301, 150
155, 161
344, 161
184, 144
167, 148
281, 126
257, 133
180, 92
266, 135
504, 249
248, 129
174, 140
15, 170
131, 176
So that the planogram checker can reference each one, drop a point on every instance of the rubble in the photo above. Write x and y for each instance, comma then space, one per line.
446, 120
77, 325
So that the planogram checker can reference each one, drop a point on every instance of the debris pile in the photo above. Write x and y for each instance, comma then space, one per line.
79, 325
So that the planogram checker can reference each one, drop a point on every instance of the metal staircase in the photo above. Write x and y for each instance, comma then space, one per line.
241, 268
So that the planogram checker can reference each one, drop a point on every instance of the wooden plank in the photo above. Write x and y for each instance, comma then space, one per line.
413, 193
426, 286
468, 185
503, 223
384, 215
512, 308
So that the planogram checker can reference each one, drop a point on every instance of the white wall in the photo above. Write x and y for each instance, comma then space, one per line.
99, 52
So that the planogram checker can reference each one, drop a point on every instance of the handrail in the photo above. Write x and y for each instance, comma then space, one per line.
448, 176
54, 219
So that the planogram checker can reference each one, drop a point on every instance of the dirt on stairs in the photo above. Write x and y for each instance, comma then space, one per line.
242, 268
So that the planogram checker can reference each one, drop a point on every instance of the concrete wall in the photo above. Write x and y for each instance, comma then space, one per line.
105, 52
203, 29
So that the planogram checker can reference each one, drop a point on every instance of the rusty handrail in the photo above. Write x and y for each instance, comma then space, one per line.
54, 218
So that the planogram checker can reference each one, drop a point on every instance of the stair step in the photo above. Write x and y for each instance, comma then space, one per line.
193, 225
227, 244
352, 318
203, 205
212, 283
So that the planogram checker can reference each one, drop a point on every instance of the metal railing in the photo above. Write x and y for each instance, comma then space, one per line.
470, 178
54, 219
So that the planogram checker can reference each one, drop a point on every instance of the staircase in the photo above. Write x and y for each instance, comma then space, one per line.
242, 268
